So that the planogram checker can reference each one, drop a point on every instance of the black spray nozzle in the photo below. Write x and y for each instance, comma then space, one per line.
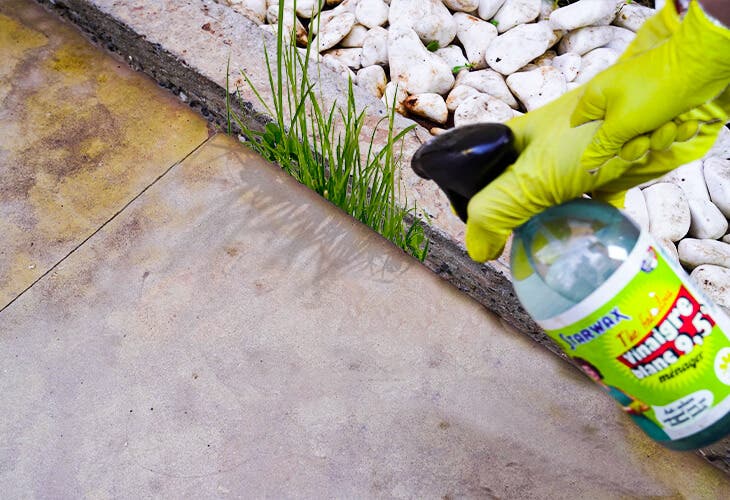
464, 160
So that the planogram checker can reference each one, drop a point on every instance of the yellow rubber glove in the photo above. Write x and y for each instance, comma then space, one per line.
642, 92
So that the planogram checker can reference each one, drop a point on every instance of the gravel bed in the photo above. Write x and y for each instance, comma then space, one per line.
449, 63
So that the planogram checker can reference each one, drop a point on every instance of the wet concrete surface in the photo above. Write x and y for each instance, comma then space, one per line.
230, 334
82, 135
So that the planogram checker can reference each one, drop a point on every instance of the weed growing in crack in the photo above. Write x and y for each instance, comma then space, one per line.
322, 149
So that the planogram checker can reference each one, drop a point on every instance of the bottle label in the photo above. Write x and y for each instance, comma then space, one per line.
654, 342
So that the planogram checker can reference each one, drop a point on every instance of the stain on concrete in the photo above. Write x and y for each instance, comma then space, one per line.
82, 136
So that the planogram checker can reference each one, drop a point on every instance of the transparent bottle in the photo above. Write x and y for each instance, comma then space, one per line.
607, 294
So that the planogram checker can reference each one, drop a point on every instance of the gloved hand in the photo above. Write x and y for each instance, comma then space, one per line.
549, 169
642, 92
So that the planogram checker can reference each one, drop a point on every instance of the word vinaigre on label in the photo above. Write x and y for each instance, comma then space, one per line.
604, 324
683, 327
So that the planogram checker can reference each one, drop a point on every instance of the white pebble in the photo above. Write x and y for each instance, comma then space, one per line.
515, 12
707, 220
512, 50
375, 47
430, 106
489, 82
475, 36
690, 178
695, 252
334, 31
717, 177
462, 5
352, 57
584, 40
413, 66
584, 13
452, 55
721, 147
632, 16
621, 39
459, 94
537, 88
355, 37
371, 13
668, 210
569, 63
372, 79
635, 208
669, 249
714, 281
253, 9
482, 109
487, 8
594, 62
394, 96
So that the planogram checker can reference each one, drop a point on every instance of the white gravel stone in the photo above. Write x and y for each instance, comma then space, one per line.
289, 22
545, 60
717, 177
459, 94
253, 9
373, 79
482, 109
707, 220
584, 13
621, 39
355, 38
308, 8
726, 238
487, 8
462, 5
394, 96
537, 88
430, 106
489, 82
475, 36
583, 40
452, 55
352, 58
515, 12
695, 252
668, 210
635, 208
690, 178
371, 13
430, 19
632, 16
338, 67
418, 70
721, 147
546, 8
569, 63
715, 282
512, 50
670, 249
594, 62
375, 47
334, 31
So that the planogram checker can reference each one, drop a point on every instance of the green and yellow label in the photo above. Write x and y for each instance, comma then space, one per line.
652, 341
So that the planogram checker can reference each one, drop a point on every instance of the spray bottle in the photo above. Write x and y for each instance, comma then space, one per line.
624, 312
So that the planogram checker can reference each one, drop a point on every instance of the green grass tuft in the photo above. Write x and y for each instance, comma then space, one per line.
321, 149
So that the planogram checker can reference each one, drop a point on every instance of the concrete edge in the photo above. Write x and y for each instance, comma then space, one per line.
488, 284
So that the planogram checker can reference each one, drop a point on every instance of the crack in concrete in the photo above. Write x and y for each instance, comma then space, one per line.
102, 226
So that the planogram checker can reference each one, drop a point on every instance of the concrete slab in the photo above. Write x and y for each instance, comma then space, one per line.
186, 46
231, 334
82, 135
